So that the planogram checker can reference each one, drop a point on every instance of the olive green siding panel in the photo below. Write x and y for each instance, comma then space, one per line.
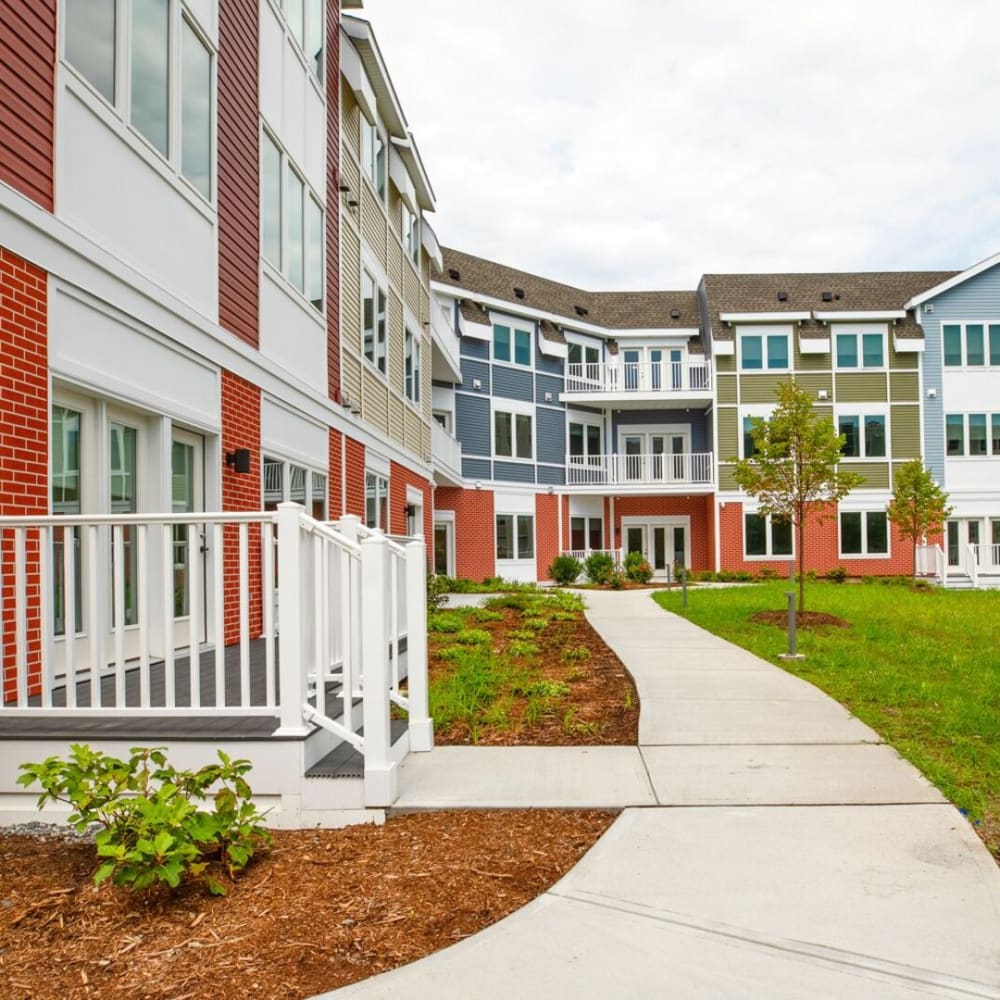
862, 387
824, 411
905, 431
876, 474
902, 359
760, 388
725, 363
725, 388
729, 442
727, 480
904, 387
814, 382
811, 362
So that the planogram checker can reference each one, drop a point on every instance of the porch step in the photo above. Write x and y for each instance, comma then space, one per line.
958, 581
343, 761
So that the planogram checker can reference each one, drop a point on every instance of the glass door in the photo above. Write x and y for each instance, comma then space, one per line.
680, 546
633, 456
678, 445
676, 370
631, 362
635, 539
659, 549
657, 446
187, 496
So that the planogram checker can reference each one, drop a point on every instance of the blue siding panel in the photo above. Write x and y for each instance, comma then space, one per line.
551, 475
514, 472
472, 348
550, 435
546, 383
476, 468
472, 423
697, 423
549, 366
513, 383
476, 370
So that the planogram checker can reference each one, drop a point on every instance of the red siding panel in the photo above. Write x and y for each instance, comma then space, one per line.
239, 169
333, 198
27, 97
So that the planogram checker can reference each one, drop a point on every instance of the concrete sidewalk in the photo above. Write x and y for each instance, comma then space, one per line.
770, 846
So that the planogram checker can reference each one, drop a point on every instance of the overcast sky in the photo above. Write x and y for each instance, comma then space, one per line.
641, 143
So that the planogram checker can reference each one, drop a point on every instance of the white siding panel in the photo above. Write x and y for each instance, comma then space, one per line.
272, 44
290, 336
291, 434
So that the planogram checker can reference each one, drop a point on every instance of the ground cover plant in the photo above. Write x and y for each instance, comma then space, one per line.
527, 668
919, 665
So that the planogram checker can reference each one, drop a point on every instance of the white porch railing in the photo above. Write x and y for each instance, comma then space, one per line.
972, 563
640, 470
584, 554
446, 450
174, 615
639, 376
931, 562
986, 557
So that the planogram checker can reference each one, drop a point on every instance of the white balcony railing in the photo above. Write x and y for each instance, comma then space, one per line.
640, 470
158, 615
584, 554
445, 450
986, 557
445, 340
640, 376
931, 562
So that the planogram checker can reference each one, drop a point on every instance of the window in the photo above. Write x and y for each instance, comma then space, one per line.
585, 444
411, 367
512, 435
586, 533
974, 345
96, 40
511, 346
65, 486
286, 481
764, 536
292, 224
584, 362
864, 533
305, 24
373, 321
864, 436
749, 448
974, 434
373, 155
860, 350
759, 351
411, 233
376, 501
515, 536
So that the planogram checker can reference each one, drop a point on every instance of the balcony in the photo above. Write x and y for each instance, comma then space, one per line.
446, 453
668, 473
446, 365
638, 383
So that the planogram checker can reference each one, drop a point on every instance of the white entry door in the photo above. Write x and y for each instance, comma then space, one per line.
187, 495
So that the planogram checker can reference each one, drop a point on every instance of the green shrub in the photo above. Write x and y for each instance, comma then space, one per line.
637, 568
152, 827
522, 648
768, 573
565, 569
473, 637
485, 615
599, 567
837, 575
617, 580
437, 591
574, 654
445, 621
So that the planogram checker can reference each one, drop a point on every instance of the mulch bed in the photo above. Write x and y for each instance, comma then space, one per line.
326, 908
803, 619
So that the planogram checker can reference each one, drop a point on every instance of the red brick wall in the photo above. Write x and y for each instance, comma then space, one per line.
355, 478
400, 477
546, 533
335, 478
241, 491
822, 542
710, 540
24, 421
651, 507
565, 541
475, 556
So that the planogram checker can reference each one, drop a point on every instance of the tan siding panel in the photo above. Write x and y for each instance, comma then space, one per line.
397, 420
905, 431
394, 265
350, 172
861, 387
350, 288
725, 363
904, 387
904, 359
412, 289
760, 388
395, 341
376, 403
351, 372
727, 480
350, 125
414, 430
372, 222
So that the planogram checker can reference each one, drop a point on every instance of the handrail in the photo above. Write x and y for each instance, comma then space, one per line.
973, 560
76, 520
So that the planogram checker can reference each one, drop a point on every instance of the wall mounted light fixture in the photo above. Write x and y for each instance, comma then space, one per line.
239, 459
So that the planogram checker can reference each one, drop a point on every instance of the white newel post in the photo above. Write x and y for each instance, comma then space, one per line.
380, 768
421, 725
291, 649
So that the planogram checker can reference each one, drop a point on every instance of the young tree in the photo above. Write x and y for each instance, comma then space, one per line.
793, 471
919, 507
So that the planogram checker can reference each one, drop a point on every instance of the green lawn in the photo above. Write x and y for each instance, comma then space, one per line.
920, 666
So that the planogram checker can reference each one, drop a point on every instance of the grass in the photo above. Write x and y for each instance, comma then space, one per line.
920, 666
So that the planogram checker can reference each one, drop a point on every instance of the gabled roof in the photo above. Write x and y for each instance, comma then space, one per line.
846, 291
611, 310
952, 281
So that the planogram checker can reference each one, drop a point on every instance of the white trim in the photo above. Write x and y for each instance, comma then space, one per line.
724, 348
552, 348
958, 279
357, 79
864, 553
765, 317
658, 333
814, 345
908, 345
378, 464
846, 316
769, 556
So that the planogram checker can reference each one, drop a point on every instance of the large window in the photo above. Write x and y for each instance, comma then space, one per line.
515, 536
584, 362
373, 155
288, 481
860, 350
760, 351
305, 24
373, 306
864, 533
972, 345
864, 435
512, 435
585, 444
586, 533
764, 536
98, 40
975, 435
66, 486
511, 345
411, 367
292, 227
376, 501
411, 233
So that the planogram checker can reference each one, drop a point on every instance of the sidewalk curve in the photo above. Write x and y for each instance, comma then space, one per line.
770, 845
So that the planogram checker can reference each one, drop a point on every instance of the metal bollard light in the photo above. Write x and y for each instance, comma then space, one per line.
684, 585
793, 639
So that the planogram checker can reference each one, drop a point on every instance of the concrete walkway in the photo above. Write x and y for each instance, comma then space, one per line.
770, 847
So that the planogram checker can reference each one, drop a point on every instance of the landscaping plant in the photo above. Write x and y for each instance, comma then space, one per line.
599, 567
565, 569
637, 568
153, 826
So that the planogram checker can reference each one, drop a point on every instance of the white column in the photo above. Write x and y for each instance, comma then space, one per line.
380, 769
291, 651
421, 725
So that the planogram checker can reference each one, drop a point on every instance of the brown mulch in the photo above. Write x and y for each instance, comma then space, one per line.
324, 909
803, 619
602, 708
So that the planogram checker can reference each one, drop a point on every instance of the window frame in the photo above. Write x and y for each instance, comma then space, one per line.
375, 158
412, 372
380, 329
410, 232
988, 327
503, 408
377, 490
300, 45
964, 420
588, 530
515, 518
865, 513
858, 336
863, 413
769, 553
311, 473
512, 326
765, 335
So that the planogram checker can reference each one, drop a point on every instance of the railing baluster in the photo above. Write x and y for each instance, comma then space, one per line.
267, 531
219, 603
20, 618
244, 579
167, 610
144, 610
320, 662
194, 637
118, 596
95, 596
69, 613
394, 620
46, 621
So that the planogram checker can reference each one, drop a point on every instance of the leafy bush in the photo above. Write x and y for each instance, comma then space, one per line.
599, 567
485, 615
445, 621
617, 580
152, 828
522, 648
637, 568
437, 591
565, 569
768, 573
472, 637
837, 575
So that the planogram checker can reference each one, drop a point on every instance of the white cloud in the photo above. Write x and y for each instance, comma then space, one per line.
643, 143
